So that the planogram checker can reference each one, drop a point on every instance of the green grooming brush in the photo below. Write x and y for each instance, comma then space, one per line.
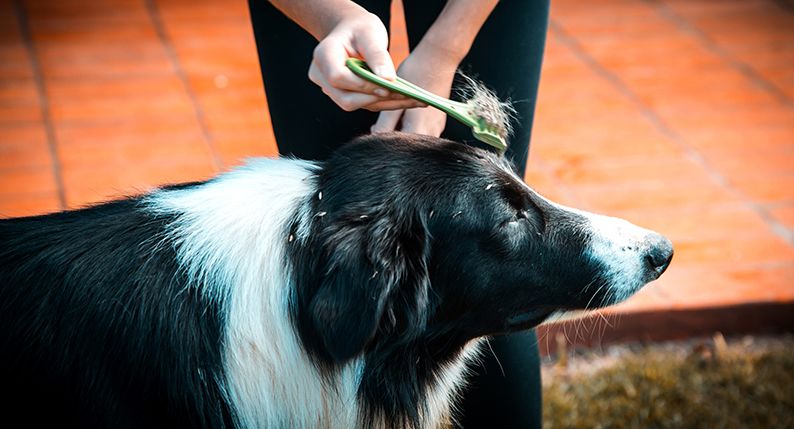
486, 125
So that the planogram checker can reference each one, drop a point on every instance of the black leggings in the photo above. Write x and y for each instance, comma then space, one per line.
506, 55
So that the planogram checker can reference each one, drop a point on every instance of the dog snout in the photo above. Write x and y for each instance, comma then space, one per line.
658, 255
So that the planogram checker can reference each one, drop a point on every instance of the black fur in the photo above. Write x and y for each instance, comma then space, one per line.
98, 325
413, 247
416, 247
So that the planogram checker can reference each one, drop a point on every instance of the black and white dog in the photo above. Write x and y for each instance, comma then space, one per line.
292, 294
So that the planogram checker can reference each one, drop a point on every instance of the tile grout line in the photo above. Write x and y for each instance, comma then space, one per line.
707, 42
690, 153
157, 21
38, 78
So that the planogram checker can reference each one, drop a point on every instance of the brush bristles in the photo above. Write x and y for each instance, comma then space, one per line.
485, 104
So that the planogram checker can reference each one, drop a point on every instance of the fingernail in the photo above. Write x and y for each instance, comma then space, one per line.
381, 92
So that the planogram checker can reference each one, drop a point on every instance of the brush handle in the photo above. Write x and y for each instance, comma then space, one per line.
459, 111
481, 130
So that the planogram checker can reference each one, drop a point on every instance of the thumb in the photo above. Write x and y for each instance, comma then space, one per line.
376, 55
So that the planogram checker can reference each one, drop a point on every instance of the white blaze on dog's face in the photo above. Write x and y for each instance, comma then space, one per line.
633, 256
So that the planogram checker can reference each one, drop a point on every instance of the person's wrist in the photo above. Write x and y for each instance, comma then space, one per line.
440, 60
449, 52
338, 13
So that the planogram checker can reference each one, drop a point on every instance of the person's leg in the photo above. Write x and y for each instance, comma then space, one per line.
306, 123
507, 56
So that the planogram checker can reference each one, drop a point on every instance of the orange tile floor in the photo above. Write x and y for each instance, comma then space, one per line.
675, 114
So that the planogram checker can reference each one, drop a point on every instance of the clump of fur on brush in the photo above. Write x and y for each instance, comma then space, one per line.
485, 104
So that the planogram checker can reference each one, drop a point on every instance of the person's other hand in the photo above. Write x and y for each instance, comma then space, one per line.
361, 35
433, 71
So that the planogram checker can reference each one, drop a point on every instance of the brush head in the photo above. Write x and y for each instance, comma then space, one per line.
494, 116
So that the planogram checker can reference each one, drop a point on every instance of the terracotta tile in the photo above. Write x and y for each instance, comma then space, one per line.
23, 147
100, 60
226, 85
616, 170
759, 139
727, 285
14, 60
640, 57
81, 10
96, 41
748, 30
133, 98
28, 204
256, 120
219, 101
576, 145
237, 146
785, 215
131, 131
19, 101
88, 153
661, 194
736, 116
746, 162
8, 21
706, 220
696, 9
759, 249
99, 183
601, 11
21, 181
544, 183
202, 11
119, 31
398, 43
767, 188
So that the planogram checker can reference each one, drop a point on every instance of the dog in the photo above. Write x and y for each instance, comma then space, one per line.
293, 294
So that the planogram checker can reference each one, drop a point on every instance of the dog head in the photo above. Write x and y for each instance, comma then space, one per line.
412, 237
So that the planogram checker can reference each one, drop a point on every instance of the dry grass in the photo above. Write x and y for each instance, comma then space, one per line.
706, 384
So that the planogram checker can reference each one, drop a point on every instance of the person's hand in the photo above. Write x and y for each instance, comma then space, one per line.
357, 34
433, 71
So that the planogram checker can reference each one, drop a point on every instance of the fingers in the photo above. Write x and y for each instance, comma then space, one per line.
429, 122
328, 62
373, 47
352, 100
347, 90
387, 121
417, 121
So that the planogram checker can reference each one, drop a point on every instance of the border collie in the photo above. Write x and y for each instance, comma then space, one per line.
293, 294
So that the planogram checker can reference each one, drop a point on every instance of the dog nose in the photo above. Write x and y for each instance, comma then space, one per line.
659, 254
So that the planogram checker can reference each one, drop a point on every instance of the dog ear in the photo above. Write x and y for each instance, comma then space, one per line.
372, 268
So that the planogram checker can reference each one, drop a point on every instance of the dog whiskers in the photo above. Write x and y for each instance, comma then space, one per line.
488, 341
